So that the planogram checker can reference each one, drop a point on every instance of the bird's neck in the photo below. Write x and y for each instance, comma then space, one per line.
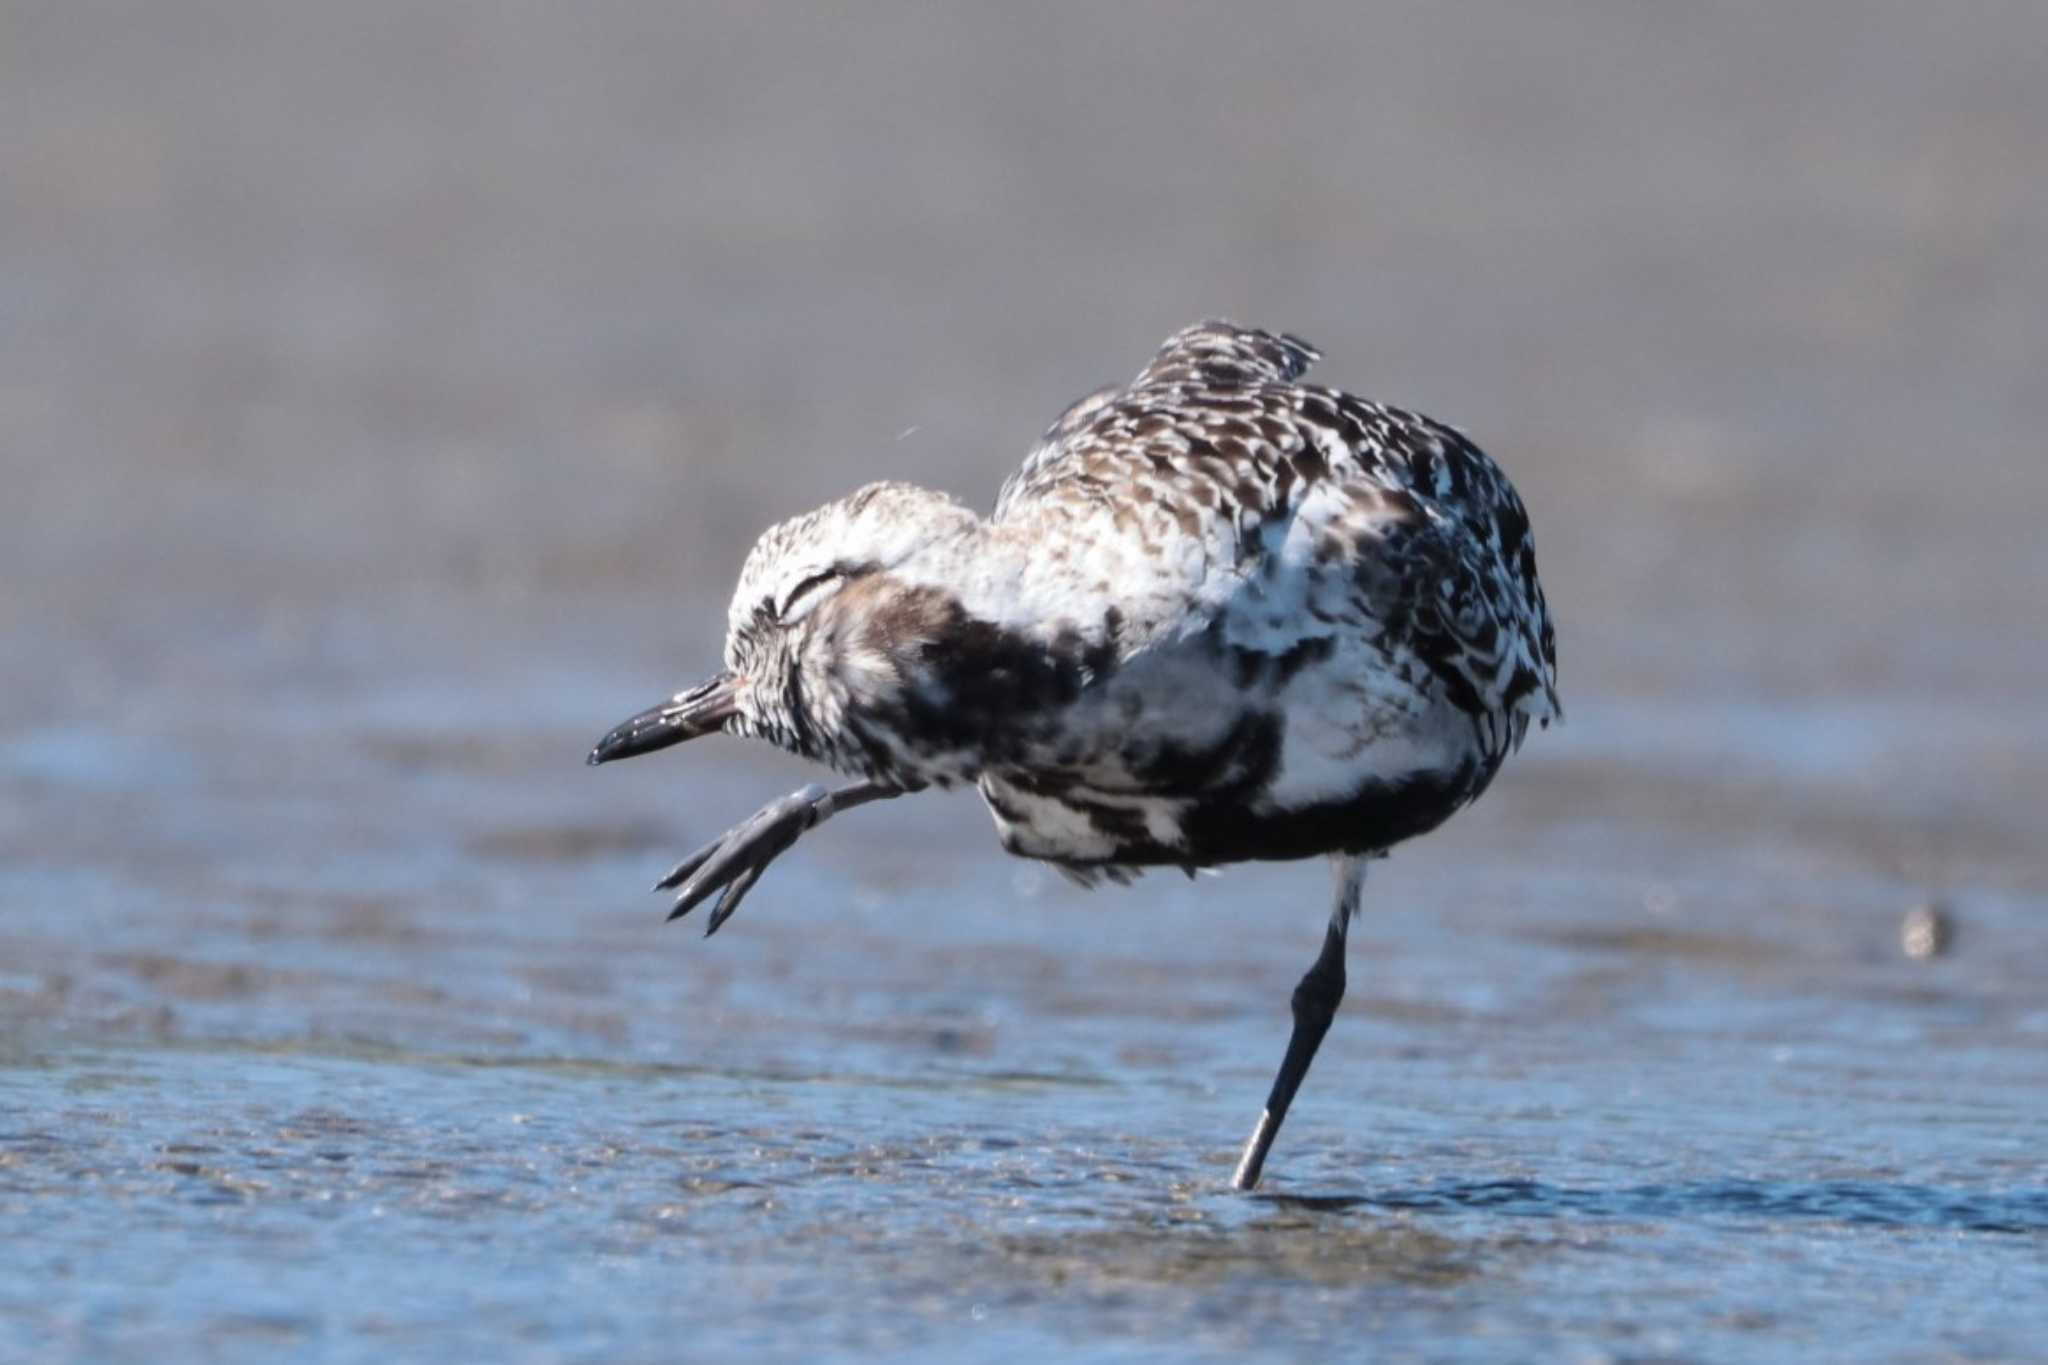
986, 573
1008, 579
923, 670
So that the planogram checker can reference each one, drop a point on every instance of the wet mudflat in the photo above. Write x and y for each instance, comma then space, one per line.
451, 1086
388, 394
220, 1202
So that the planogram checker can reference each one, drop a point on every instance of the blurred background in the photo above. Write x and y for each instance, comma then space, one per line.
389, 393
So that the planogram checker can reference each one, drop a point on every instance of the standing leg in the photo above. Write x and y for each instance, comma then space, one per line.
1315, 1004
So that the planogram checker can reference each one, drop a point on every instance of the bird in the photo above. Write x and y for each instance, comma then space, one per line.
1219, 615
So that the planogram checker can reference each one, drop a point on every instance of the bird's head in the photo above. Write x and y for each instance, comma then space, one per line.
821, 622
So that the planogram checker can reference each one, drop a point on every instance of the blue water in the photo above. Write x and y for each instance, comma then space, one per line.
342, 1075
185, 1201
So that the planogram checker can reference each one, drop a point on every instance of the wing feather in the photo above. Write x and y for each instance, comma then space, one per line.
1216, 354
1215, 451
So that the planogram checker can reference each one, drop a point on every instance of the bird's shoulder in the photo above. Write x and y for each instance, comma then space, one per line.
1191, 399
1226, 493
1207, 448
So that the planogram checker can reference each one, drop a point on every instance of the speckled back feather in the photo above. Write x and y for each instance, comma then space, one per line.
1219, 614
1216, 437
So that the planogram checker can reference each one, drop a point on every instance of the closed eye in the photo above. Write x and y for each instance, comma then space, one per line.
805, 595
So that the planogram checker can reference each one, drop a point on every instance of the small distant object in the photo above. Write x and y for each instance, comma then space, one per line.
1927, 931
1219, 615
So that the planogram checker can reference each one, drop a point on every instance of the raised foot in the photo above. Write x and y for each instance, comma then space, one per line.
730, 864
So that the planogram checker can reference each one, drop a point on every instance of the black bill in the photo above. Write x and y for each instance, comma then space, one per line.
702, 710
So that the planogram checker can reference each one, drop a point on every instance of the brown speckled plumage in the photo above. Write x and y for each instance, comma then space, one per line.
1219, 614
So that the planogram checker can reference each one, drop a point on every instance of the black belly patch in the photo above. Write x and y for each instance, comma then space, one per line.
1371, 820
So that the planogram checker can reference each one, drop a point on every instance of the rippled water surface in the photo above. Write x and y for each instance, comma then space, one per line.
230, 1201
452, 1087
388, 394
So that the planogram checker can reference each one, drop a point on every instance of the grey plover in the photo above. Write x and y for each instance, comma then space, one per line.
1219, 615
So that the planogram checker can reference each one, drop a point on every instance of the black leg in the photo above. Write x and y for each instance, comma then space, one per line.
1315, 1005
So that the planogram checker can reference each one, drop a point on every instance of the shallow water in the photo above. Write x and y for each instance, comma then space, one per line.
234, 1200
388, 393
454, 1089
